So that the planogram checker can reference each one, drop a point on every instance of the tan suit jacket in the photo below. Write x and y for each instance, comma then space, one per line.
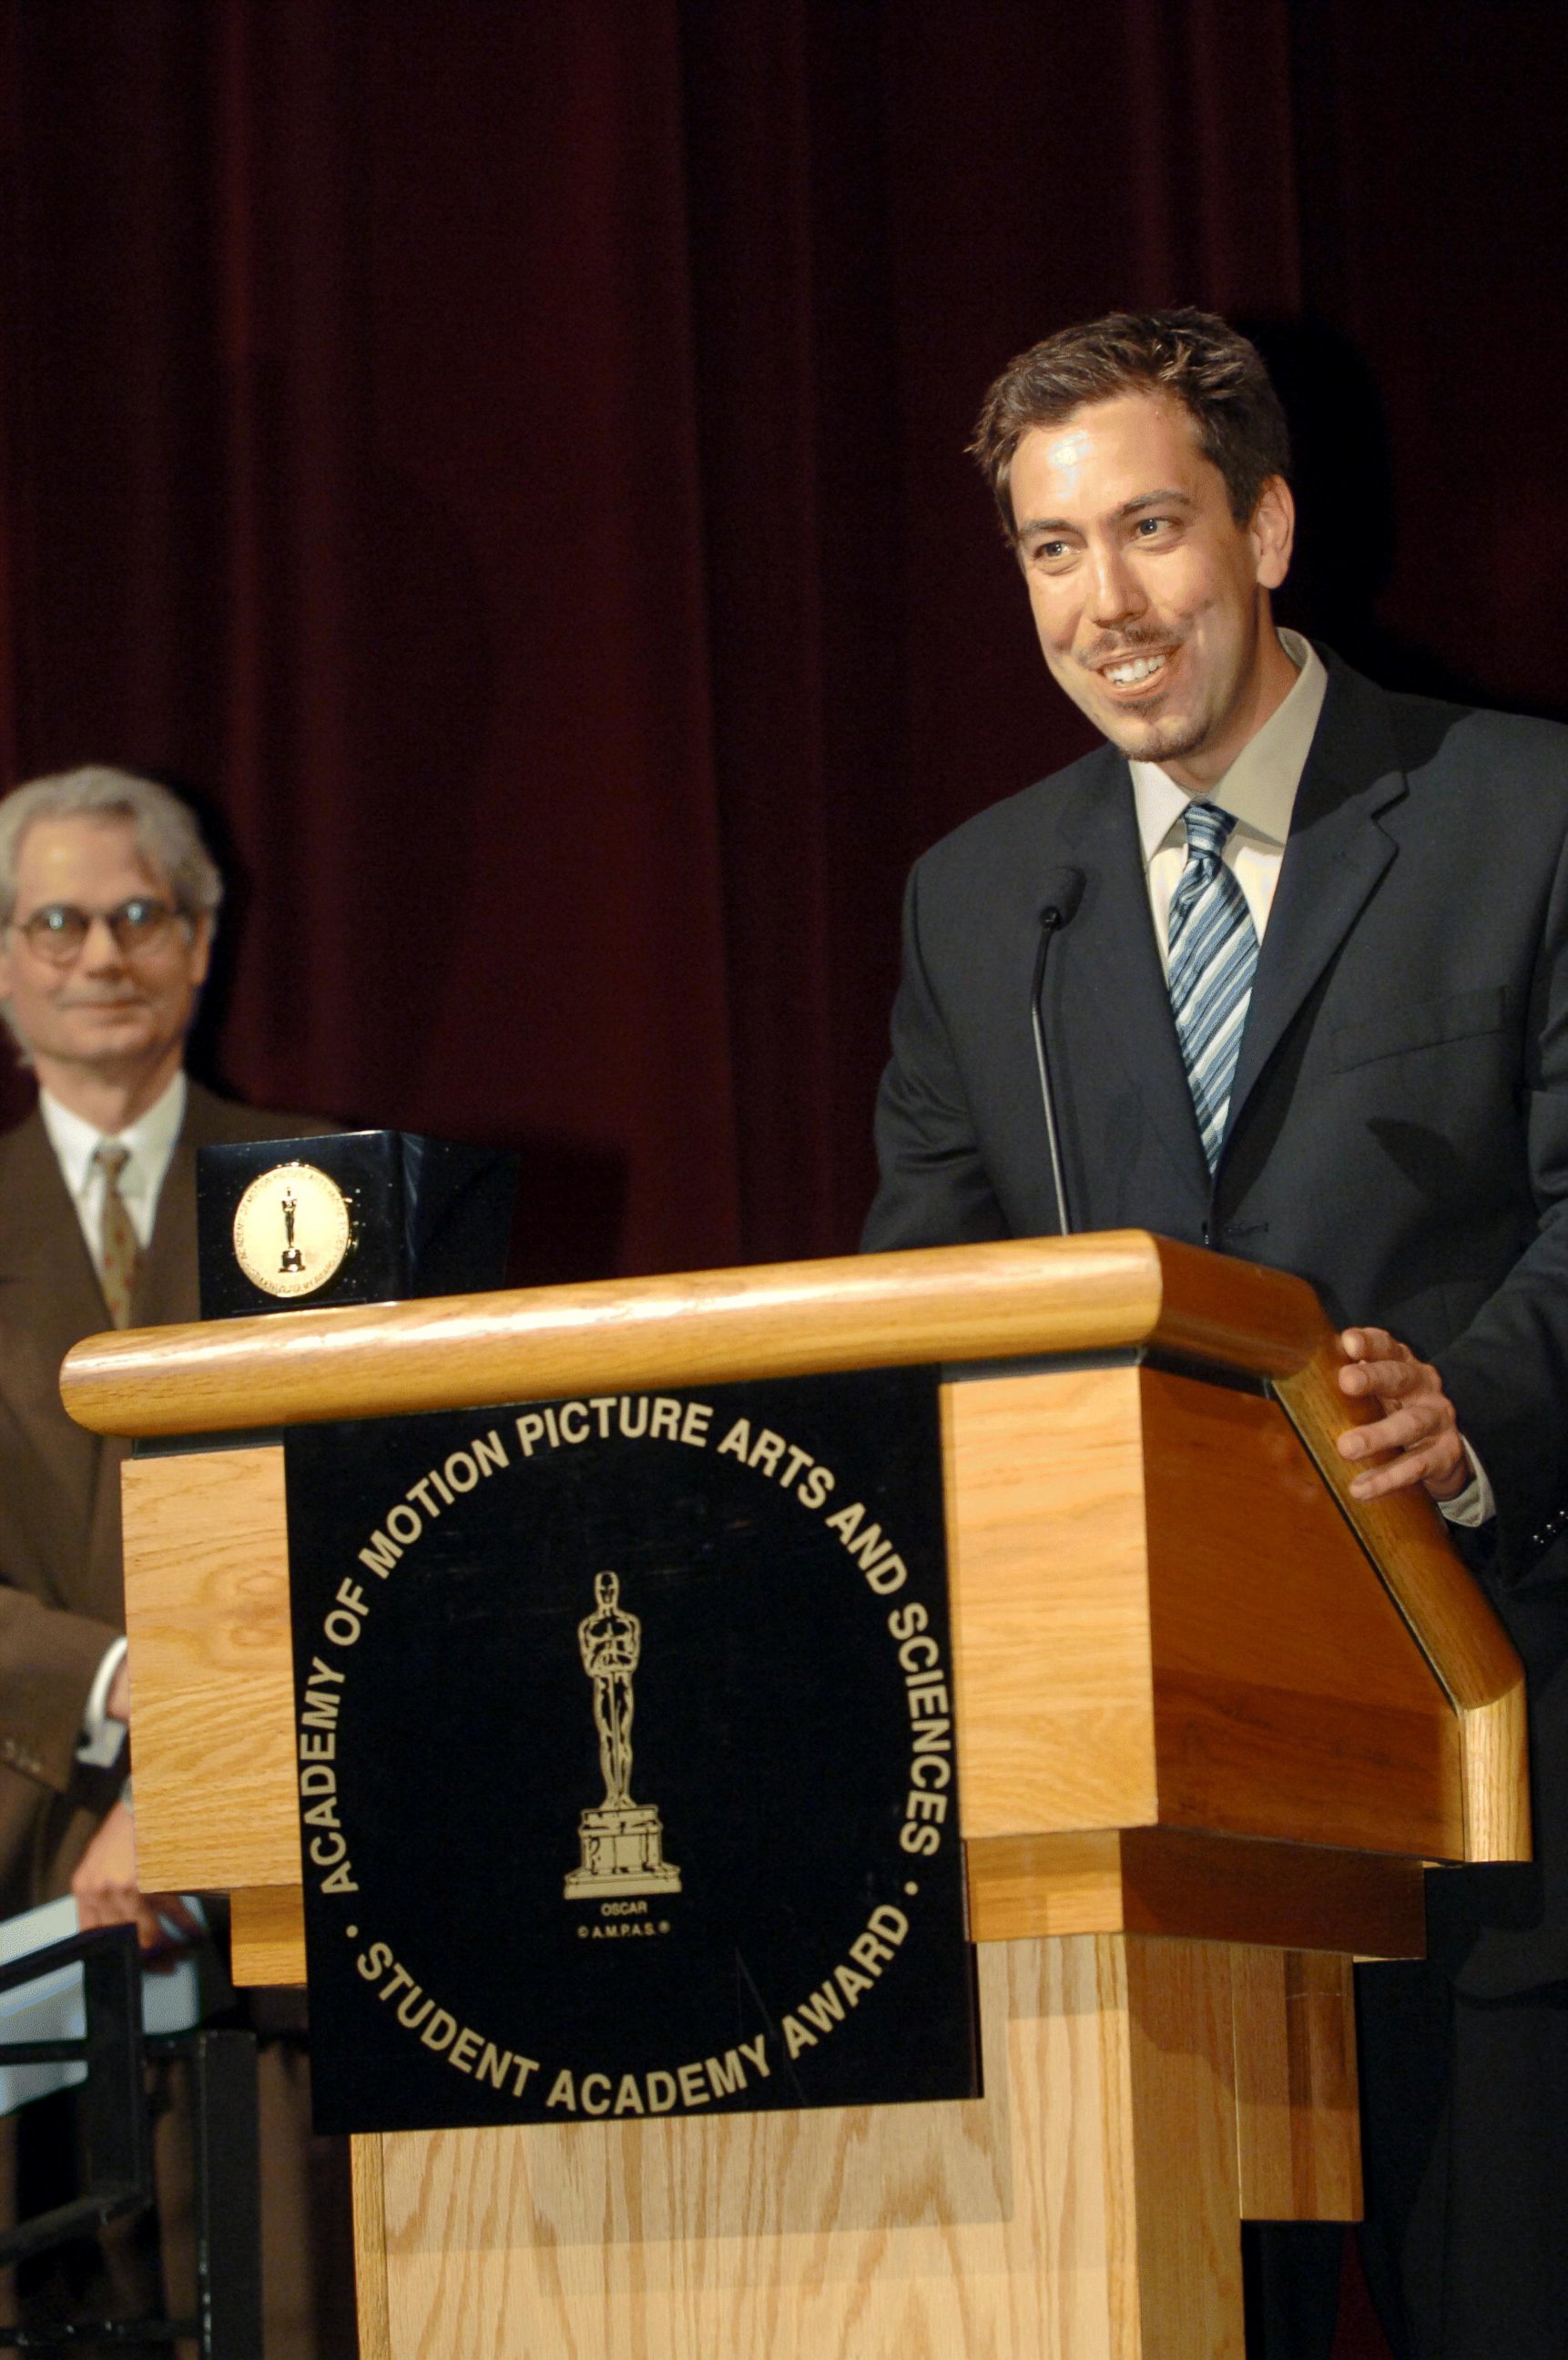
62, 1589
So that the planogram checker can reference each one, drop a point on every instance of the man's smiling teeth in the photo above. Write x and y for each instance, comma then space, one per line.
1137, 668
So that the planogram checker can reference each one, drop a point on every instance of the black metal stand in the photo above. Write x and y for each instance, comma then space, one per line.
117, 2142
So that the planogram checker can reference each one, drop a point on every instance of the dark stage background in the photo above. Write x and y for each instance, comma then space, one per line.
508, 459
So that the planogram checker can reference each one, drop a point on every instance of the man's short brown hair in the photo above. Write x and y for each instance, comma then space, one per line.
1192, 357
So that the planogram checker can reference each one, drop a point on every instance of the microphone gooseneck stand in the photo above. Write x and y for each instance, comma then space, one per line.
1064, 892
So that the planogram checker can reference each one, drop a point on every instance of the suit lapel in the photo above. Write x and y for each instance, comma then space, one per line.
42, 1250
49, 1298
166, 1294
1112, 948
1334, 857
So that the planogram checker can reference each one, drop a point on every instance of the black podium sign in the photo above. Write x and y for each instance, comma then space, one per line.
627, 1763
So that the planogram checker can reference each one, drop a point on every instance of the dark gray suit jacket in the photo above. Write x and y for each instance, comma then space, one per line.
1399, 1126
62, 1587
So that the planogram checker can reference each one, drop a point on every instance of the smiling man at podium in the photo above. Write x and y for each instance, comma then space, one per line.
1282, 969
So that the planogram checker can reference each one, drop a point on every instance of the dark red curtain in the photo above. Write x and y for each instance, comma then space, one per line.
509, 460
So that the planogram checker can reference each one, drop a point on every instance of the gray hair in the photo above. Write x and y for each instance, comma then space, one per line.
167, 835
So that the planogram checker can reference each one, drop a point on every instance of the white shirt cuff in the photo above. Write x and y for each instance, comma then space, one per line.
1475, 1504
101, 1738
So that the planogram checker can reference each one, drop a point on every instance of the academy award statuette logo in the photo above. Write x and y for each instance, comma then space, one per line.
622, 1842
292, 1229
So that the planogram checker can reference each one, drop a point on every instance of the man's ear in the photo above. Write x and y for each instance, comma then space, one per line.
201, 950
1273, 532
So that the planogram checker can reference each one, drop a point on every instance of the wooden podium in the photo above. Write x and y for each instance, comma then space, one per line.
1213, 1717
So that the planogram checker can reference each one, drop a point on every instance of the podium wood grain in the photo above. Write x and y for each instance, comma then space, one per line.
1470, 1652
1161, 1614
1186, 1881
212, 1670
1049, 1580
1289, 1700
1045, 2222
1298, 2131
947, 1303
267, 1934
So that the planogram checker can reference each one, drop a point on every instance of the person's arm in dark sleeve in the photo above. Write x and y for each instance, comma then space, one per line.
934, 1188
1507, 1373
49, 1661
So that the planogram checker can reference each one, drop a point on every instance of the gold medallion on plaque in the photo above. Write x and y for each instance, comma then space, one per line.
292, 1229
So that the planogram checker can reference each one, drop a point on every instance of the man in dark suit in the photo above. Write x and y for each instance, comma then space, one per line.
1309, 1005
107, 903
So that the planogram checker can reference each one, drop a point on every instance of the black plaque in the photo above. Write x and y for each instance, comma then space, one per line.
424, 1217
743, 1588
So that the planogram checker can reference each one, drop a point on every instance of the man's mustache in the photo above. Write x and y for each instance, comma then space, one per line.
1126, 643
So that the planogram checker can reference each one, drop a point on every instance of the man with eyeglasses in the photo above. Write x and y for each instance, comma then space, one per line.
108, 898
107, 903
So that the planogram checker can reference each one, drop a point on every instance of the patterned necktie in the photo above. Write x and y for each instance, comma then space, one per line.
122, 1249
1214, 956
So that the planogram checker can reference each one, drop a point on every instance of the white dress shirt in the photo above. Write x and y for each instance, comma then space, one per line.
149, 1142
1259, 792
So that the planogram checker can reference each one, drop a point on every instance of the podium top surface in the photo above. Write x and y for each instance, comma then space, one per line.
1015, 1299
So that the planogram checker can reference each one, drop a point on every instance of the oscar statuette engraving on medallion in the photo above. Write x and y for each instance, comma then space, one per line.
292, 1229
622, 1842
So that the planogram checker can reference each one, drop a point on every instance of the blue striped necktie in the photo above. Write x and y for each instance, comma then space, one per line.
1214, 957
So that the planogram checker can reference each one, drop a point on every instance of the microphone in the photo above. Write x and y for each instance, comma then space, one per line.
1063, 893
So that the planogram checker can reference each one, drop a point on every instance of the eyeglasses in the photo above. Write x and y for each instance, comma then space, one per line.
59, 930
